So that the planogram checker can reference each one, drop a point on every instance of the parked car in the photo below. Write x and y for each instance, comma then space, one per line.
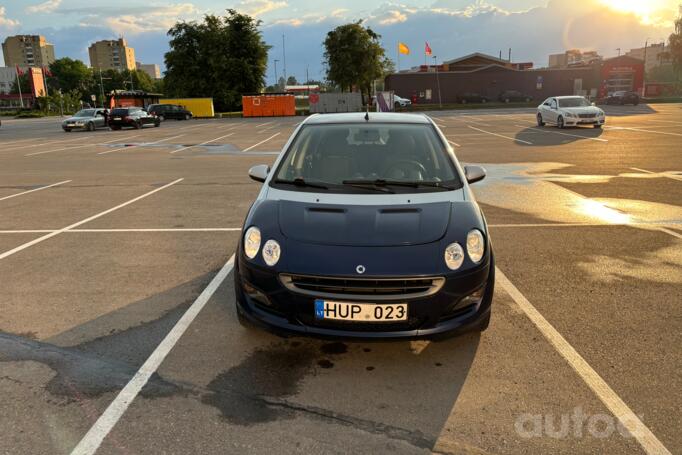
569, 111
169, 111
513, 96
86, 119
400, 101
134, 117
465, 98
623, 97
366, 227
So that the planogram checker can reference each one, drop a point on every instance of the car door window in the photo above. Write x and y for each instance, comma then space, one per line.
553, 104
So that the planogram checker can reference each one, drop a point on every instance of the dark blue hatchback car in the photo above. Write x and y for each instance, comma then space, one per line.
366, 227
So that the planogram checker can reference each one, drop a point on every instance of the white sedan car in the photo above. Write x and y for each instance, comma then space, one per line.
570, 111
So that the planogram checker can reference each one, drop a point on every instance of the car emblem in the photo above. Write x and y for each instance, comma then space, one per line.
360, 269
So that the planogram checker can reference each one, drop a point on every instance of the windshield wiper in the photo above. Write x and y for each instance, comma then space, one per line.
298, 181
411, 184
368, 185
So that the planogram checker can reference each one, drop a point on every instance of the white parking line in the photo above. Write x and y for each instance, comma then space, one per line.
78, 146
661, 174
138, 145
642, 130
454, 143
34, 190
261, 142
203, 143
263, 124
563, 134
81, 222
499, 135
611, 400
106, 422
46, 143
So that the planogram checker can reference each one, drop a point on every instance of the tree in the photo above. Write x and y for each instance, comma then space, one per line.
221, 57
354, 57
69, 75
675, 43
291, 80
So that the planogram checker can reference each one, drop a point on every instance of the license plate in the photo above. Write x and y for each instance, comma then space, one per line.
117, 118
360, 312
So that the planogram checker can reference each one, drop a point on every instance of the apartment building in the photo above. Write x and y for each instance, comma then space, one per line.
152, 69
27, 50
112, 55
653, 55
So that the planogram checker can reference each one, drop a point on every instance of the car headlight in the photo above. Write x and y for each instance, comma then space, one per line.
600, 113
475, 245
271, 252
454, 256
252, 242
569, 114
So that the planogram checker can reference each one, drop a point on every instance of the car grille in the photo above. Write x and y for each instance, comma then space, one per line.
362, 288
586, 115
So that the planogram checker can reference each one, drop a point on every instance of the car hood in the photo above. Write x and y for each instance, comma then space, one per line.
582, 110
77, 119
364, 225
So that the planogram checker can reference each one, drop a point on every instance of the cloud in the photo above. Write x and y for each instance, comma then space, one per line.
259, 7
393, 17
155, 19
6, 22
47, 7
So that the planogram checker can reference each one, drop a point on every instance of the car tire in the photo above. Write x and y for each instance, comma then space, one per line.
91, 126
157, 123
67, 130
161, 118
560, 123
187, 116
540, 121
137, 125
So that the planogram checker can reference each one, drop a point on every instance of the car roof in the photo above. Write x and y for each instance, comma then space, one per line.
567, 96
374, 117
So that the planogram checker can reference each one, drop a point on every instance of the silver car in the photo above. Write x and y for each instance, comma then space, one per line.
87, 119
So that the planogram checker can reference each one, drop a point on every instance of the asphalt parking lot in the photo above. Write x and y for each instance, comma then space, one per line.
114, 267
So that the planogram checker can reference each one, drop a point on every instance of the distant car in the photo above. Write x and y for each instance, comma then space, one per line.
465, 98
134, 117
86, 119
513, 96
623, 97
400, 101
569, 111
169, 111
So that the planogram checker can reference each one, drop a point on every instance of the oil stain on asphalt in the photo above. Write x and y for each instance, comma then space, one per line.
274, 372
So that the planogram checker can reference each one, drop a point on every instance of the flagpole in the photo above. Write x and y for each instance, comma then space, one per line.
21, 98
398, 48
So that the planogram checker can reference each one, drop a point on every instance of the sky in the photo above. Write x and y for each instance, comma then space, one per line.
533, 29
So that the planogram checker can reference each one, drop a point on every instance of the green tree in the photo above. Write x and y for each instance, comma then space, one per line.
675, 43
69, 75
221, 57
291, 80
354, 57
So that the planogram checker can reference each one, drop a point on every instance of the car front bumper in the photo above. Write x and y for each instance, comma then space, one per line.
573, 121
263, 299
74, 126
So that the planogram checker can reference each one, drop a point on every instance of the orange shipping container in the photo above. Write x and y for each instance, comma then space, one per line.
268, 105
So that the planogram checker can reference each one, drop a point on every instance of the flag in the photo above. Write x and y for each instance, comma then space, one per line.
112, 103
20, 72
47, 72
403, 49
427, 49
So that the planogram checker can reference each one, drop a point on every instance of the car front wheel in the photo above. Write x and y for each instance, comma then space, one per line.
187, 116
560, 122
540, 121
161, 118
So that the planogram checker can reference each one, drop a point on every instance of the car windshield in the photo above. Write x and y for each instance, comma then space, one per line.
85, 113
367, 158
577, 101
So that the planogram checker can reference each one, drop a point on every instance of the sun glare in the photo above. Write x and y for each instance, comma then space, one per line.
647, 11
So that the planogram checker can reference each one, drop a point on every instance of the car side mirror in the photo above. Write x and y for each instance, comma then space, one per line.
474, 173
259, 173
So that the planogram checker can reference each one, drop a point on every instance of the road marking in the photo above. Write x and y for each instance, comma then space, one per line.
138, 145
110, 417
499, 135
662, 174
78, 146
261, 142
668, 231
16, 142
34, 190
454, 143
193, 126
203, 143
46, 143
611, 400
263, 124
563, 134
43, 231
462, 119
642, 130
81, 222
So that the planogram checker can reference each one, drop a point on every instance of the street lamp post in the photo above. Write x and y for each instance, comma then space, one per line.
276, 81
646, 44
440, 102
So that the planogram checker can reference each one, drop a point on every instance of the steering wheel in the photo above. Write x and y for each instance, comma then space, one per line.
409, 168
